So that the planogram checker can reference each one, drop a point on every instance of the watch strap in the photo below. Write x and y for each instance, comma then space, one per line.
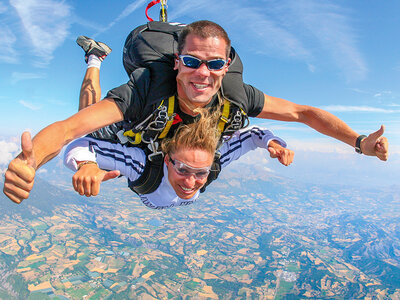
358, 143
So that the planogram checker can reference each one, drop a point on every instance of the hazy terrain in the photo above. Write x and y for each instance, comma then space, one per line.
251, 234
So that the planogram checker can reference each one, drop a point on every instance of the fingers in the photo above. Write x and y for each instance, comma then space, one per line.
286, 157
272, 152
16, 193
18, 180
382, 148
376, 144
88, 179
86, 185
20, 175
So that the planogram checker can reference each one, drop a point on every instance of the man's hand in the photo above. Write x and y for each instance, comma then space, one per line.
20, 175
376, 145
284, 155
87, 179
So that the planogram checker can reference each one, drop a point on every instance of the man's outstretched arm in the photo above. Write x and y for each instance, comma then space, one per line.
48, 142
326, 123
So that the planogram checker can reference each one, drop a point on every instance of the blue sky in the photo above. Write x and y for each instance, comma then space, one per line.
342, 56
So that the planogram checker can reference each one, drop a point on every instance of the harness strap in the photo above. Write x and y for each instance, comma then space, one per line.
135, 138
151, 177
225, 116
171, 107
160, 120
215, 170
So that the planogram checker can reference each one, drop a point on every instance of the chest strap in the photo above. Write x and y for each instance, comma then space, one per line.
154, 127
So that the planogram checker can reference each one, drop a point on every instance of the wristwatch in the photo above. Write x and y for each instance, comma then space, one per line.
358, 143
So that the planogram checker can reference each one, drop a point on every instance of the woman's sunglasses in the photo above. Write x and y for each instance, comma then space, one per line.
185, 170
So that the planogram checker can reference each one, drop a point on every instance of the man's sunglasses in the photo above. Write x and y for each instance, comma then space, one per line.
195, 63
185, 170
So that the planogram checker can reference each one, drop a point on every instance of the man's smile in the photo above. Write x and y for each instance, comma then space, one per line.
200, 86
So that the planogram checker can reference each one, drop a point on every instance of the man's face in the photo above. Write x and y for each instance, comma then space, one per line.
196, 87
186, 185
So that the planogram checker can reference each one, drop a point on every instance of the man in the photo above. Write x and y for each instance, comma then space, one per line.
197, 86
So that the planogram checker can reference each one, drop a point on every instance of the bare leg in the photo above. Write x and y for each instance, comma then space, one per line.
95, 52
90, 88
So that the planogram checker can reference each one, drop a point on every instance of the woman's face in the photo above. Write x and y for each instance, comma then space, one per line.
188, 170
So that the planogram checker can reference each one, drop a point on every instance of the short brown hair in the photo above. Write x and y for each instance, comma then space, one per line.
204, 29
202, 134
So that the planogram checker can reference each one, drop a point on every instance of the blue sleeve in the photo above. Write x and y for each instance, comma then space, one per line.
130, 161
244, 141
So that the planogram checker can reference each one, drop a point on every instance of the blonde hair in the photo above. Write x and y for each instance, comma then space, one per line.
202, 134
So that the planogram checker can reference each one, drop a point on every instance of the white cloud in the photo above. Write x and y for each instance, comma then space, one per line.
8, 53
394, 104
263, 31
383, 93
306, 30
125, 13
42, 171
59, 102
18, 76
46, 23
29, 105
343, 108
359, 91
330, 26
8, 150
320, 146
395, 150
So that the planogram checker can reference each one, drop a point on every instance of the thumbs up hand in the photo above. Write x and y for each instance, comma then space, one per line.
376, 145
20, 175
87, 180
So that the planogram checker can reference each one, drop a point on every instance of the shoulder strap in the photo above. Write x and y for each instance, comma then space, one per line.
171, 109
232, 118
224, 116
214, 173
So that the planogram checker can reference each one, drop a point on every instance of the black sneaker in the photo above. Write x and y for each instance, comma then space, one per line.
90, 47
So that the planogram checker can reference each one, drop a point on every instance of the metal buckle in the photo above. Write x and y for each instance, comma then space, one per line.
153, 146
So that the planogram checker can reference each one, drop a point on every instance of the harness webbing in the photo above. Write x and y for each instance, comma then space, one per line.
171, 104
225, 115
135, 138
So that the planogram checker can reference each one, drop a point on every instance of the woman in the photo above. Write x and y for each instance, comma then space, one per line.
188, 159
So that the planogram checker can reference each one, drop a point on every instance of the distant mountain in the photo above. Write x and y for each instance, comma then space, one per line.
44, 198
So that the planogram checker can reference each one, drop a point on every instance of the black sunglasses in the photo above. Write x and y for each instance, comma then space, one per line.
195, 63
